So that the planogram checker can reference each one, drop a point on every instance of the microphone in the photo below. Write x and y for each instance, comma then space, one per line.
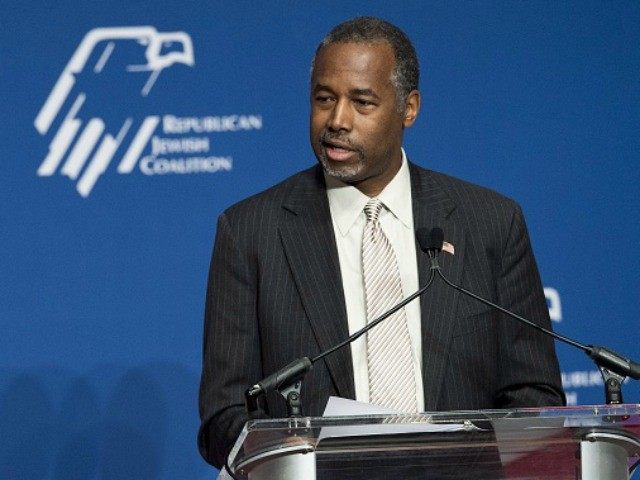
613, 366
430, 241
287, 381
292, 371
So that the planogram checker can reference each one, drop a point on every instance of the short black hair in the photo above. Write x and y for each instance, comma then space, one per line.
406, 74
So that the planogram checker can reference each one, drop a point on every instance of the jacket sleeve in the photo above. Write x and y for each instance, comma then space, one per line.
528, 370
231, 350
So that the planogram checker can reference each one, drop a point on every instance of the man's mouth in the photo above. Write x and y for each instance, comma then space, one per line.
337, 151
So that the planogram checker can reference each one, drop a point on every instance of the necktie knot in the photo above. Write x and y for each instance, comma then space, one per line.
372, 209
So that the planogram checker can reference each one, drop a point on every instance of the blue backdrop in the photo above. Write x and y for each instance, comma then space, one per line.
129, 126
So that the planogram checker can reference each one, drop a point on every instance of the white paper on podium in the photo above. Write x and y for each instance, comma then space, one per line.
402, 423
344, 407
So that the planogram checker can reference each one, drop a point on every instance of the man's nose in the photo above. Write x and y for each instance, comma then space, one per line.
341, 116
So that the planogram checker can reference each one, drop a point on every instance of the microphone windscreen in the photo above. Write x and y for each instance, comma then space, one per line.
430, 239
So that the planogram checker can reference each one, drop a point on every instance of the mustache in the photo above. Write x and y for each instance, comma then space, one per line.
329, 137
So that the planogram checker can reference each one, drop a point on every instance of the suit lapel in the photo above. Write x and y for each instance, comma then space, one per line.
432, 207
309, 243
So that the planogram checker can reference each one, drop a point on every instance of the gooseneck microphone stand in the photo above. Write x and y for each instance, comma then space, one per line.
613, 366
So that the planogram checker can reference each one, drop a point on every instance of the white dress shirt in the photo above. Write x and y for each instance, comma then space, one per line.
396, 219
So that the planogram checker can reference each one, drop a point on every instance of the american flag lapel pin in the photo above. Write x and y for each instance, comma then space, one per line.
448, 247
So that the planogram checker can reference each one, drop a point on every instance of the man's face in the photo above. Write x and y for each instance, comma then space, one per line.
356, 128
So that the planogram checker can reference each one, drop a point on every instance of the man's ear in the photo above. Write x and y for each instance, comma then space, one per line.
411, 108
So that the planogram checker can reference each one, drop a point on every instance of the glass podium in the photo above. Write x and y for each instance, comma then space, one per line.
563, 443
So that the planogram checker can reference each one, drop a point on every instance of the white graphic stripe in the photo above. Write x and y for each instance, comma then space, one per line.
63, 138
150, 82
101, 160
139, 142
83, 148
98, 165
76, 105
104, 57
58, 147
123, 131
54, 102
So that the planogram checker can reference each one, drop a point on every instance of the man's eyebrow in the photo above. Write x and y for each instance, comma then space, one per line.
320, 86
364, 92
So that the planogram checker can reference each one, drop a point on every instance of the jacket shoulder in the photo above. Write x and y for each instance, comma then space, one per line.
463, 192
268, 201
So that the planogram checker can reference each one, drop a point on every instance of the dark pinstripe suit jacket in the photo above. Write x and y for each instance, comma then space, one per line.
275, 294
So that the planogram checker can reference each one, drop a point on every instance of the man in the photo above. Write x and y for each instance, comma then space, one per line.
296, 268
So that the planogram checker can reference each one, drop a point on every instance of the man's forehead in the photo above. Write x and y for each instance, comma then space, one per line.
367, 59
340, 50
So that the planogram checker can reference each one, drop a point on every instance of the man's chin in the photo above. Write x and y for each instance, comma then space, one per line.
345, 173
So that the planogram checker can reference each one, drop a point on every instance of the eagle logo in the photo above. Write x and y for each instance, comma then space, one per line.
82, 146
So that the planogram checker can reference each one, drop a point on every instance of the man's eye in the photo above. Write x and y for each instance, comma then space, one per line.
364, 103
323, 98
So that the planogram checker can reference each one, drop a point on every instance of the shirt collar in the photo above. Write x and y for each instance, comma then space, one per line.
347, 202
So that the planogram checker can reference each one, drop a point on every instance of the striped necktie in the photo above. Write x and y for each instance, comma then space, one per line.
389, 356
